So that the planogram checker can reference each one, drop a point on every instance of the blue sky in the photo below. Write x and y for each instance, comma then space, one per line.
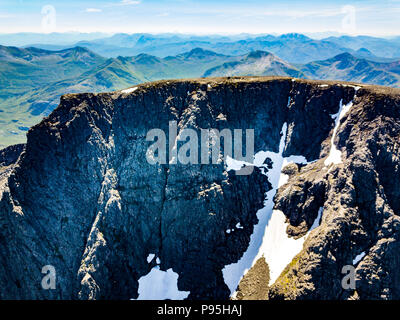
201, 17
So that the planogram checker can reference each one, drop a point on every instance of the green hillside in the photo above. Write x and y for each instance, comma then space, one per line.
79, 70
258, 63
347, 67
32, 80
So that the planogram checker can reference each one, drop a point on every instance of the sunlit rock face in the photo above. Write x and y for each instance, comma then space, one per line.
83, 198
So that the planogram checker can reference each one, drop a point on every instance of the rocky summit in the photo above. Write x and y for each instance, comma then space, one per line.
324, 195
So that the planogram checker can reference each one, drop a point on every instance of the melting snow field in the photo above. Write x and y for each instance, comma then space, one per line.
335, 155
277, 248
269, 238
160, 285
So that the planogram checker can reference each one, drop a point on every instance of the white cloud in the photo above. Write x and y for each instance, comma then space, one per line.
93, 10
123, 3
128, 2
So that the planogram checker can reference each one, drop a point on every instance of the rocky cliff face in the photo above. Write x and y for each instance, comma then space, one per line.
83, 198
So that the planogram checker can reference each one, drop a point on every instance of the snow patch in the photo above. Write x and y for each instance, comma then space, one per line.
356, 88
232, 164
358, 258
278, 248
160, 285
269, 238
335, 155
239, 226
150, 257
317, 220
130, 90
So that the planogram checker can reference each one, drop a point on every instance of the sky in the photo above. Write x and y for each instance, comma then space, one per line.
201, 17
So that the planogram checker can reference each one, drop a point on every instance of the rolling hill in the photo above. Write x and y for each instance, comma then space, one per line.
26, 68
25, 100
80, 70
387, 48
256, 63
121, 72
347, 67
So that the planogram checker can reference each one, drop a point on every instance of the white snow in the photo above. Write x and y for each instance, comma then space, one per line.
160, 285
269, 238
323, 85
317, 220
284, 178
130, 90
278, 248
239, 226
233, 164
150, 257
350, 86
358, 258
335, 155
158, 261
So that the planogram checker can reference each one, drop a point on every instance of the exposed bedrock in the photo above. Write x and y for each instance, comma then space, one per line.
83, 198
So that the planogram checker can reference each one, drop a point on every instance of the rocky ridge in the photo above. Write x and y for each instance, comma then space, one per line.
83, 198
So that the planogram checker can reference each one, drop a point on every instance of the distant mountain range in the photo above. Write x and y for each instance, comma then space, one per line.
122, 72
32, 79
28, 68
346, 67
292, 47
22, 39
387, 48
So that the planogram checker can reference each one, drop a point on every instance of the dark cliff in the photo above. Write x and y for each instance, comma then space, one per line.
83, 198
